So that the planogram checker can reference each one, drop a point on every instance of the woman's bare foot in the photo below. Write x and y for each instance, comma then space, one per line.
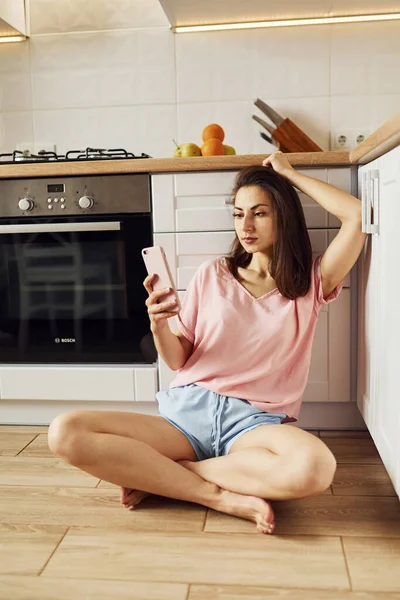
248, 507
131, 498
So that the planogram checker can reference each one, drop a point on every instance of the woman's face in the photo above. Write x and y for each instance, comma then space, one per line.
253, 218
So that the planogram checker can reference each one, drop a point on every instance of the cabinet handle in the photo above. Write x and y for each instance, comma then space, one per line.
364, 195
374, 195
370, 201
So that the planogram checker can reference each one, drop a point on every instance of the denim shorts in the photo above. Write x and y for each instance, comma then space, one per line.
211, 422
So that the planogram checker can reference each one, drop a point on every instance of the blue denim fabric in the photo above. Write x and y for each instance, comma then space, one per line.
211, 422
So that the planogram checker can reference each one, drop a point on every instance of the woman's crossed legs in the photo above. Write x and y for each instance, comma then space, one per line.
149, 454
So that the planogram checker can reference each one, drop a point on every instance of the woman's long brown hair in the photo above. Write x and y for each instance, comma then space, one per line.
291, 254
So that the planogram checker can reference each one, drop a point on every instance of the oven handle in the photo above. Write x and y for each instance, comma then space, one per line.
56, 227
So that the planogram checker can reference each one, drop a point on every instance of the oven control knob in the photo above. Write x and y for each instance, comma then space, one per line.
85, 202
25, 204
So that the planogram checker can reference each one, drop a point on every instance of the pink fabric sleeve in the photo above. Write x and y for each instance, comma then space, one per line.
186, 319
319, 298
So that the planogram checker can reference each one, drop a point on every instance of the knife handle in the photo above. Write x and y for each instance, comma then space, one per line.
293, 138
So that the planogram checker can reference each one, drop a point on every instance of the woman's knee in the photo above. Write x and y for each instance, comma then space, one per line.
316, 467
63, 435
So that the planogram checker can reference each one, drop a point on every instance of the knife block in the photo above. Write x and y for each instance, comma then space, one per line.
292, 139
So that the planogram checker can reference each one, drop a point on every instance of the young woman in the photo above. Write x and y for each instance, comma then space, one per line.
242, 354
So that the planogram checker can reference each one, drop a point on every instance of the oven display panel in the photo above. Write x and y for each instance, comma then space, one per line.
55, 188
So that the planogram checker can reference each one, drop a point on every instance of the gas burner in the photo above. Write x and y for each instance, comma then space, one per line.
100, 154
71, 155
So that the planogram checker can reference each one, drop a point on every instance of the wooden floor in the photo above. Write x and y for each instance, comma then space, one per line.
64, 535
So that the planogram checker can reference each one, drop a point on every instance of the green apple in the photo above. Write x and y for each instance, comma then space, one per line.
229, 150
186, 150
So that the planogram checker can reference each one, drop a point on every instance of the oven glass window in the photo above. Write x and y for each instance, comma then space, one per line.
76, 296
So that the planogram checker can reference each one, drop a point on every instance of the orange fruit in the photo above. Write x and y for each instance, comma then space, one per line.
213, 131
212, 147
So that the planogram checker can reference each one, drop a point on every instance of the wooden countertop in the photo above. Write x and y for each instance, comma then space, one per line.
381, 141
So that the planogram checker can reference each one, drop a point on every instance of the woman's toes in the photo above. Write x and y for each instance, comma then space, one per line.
266, 527
271, 527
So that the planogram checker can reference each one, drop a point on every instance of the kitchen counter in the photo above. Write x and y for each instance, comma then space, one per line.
381, 141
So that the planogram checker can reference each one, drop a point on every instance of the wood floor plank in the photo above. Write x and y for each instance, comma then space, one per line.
356, 451
133, 542
93, 507
23, 429
30, 471
315, 562
12, 443
41, 588
323, 515
229, 592
362, 480
38, 447
355, 434
374, 564
25, 549
107, 484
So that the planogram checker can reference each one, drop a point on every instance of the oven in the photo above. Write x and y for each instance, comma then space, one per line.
71, 270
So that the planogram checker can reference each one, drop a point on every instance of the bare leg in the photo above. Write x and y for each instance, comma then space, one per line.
299, 465
133, 464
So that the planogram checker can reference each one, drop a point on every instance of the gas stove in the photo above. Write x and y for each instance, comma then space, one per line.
72, 155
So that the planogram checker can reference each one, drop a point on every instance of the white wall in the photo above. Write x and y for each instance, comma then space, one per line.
122, 79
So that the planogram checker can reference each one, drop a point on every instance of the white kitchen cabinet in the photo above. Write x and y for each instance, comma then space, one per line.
378, 395
193, 222
81, 383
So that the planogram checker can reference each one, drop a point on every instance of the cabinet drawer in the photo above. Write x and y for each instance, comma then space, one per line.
200, 201
186, 251
78, 383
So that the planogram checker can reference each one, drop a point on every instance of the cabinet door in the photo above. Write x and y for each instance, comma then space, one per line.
329, 376
387, 395
379, 317
368, 285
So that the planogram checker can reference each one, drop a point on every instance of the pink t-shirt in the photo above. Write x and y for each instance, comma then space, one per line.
256, 349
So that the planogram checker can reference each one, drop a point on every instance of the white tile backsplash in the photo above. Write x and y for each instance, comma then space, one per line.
365, 59
362, 112
15, 84
103, 69
113, 74
15, 128
289, 62
148, 129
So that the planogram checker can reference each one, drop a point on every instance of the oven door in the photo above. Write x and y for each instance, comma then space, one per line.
71, 290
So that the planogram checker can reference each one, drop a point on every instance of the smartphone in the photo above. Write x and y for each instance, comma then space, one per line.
156, 262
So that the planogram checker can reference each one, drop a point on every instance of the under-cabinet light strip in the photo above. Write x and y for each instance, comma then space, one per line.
12, 38
287, 23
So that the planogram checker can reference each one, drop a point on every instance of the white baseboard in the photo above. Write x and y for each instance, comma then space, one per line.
314, 415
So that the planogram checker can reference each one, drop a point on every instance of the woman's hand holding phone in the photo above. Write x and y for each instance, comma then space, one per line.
158, 311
